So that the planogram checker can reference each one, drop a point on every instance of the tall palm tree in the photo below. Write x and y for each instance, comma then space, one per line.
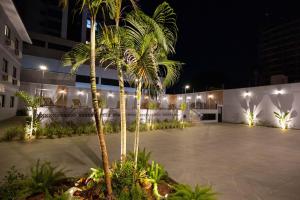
152, 39
115, 12
75, 61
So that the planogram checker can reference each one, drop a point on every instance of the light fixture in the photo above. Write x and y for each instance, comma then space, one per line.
98, 93
277, 92
247, 94
80, 93
165, 98
198, 97
189, 98
210, 96
146, 97
110, 95
179, 98
187, 87
62, 92
43, 67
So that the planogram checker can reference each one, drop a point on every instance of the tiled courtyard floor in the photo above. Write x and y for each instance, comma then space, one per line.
239, 162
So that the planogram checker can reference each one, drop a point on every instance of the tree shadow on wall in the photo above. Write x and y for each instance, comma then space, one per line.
284, 103
252, 104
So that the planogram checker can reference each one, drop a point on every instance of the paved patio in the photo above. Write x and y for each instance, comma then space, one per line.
239, 162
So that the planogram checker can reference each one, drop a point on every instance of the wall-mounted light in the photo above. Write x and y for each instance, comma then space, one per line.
98, 93
247, 94
80, 93
188, 98
110, 95
43, 67
146, 97
180, 98
62, 91
210, 96
165, 98
277, 92
199, 97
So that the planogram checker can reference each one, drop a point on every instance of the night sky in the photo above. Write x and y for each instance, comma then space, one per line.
218, 39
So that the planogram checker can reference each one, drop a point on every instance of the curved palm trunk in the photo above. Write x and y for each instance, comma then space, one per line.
138, 120
122, 114
97, 115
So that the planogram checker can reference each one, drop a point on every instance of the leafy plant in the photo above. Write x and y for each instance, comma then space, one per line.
185, 192
13, 133
156, 173
250, 118
97, 174
13, 185
283, 119
44, 177
122, 175
142, 160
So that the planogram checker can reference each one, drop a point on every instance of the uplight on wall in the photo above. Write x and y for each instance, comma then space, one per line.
277, 92
210, 96
189, 98
198, 97
247, 94
179, 98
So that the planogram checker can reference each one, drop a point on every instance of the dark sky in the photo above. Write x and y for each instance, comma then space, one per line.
218, 39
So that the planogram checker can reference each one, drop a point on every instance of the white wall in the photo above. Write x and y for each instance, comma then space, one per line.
263, 101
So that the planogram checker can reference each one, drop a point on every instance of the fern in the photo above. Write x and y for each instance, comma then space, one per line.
185, 192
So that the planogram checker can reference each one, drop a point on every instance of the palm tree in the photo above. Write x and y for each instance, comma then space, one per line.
75, 61
151, 39
115, 12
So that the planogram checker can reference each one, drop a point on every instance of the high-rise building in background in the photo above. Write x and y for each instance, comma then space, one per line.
279, 53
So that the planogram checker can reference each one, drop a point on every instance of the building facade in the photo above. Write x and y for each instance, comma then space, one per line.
12, 35
279, 53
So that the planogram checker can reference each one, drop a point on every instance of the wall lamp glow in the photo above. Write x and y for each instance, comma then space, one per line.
146, 97
210, 96
180, 98
165, 98
247, 94
43, 67
189, 98
98, 93
277, 92
62, 91
110, 95
80, 93
198, 97
187, 87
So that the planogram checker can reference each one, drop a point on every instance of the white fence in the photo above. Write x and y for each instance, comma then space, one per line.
263, 102
84, 115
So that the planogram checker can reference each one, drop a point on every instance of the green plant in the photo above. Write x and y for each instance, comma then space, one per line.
97, 174
44, 177
156, 172
13, 133
13, 185
142, 160
283, 118
250, 118
185, 192
122, 175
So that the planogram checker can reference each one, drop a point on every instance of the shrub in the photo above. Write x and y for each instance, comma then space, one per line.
13, 185
142, 160
44, 177
13, 133
185, 192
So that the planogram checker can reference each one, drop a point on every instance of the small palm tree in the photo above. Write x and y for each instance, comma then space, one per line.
32, 103
283, 118
151, 40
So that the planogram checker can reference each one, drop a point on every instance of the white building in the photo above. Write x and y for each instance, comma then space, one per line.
12, 35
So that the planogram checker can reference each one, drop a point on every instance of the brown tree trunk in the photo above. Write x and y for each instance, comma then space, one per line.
137, 120
98, 120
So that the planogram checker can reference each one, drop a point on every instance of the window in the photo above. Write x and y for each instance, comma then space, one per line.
113, 82
85, 79
5, 65
7, 31
12, 102
2, 100
16, 44
14, 72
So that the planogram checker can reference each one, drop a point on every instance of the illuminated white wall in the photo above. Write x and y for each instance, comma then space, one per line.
263, 101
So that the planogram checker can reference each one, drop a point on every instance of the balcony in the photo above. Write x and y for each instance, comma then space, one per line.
54, 78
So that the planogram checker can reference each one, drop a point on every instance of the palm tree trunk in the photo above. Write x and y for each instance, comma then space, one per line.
122, 114
137, 120
98, 121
